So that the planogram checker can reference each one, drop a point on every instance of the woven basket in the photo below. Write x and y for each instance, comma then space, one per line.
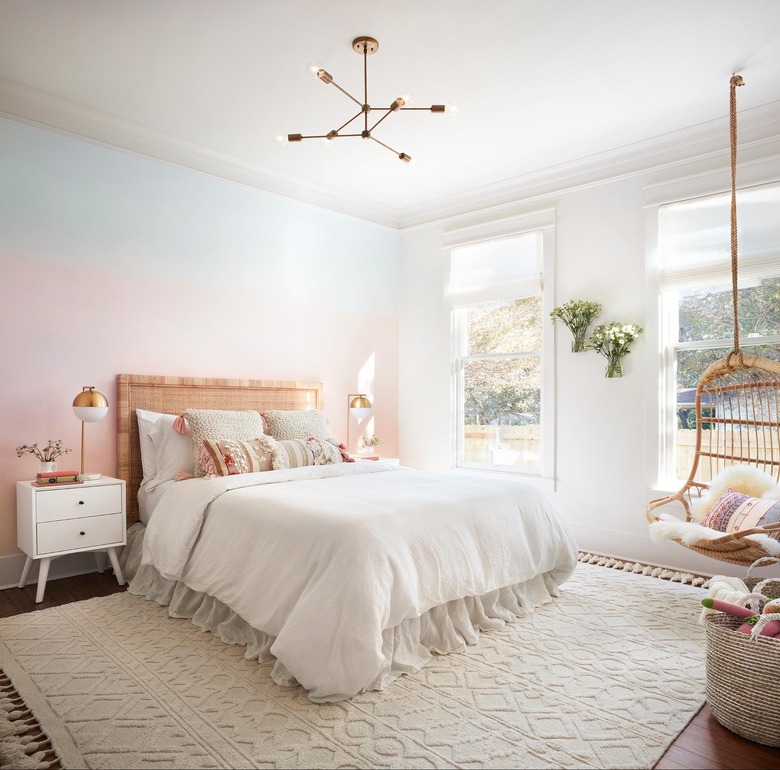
743, 680
771, 589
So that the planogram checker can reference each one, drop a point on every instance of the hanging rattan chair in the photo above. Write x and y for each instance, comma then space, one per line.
739, 424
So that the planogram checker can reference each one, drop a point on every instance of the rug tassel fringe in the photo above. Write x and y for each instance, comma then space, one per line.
643, 569
23, 745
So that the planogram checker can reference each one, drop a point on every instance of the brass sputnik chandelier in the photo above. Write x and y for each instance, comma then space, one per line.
365, 46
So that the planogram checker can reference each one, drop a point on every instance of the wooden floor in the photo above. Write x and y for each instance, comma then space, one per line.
702, 745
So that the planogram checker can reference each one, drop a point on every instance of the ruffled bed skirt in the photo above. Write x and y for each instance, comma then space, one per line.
406, 648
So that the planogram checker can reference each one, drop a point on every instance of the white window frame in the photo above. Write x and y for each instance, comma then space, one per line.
671, 346
663, 309
542, 222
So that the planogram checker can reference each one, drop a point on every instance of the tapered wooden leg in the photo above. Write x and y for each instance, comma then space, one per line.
25, 572
43, 574
115, 564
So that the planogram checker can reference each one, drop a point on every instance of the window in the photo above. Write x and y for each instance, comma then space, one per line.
499, 311
696, 302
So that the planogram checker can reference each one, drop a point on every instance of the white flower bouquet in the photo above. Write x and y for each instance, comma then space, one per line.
613, 341
370, 442
577, 315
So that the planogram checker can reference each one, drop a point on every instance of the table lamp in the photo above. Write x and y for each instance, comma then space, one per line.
89, 406
358, 407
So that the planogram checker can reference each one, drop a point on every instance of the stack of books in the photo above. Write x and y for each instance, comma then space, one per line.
57, 477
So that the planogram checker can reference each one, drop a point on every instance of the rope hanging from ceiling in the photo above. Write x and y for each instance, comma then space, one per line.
739, 424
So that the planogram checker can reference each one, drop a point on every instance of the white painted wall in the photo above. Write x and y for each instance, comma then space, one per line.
132, 260
114, 263
606, 438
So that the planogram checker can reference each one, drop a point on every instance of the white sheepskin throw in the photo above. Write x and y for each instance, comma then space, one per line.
740, 478
689, 533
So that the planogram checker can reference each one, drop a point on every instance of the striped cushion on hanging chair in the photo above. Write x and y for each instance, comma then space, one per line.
734, 511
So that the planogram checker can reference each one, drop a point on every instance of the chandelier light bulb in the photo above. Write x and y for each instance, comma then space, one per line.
313, 67
453, 109
280, 138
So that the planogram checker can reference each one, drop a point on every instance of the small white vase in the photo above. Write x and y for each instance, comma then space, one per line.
50, 467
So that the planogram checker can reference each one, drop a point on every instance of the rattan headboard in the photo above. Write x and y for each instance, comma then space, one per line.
172, 395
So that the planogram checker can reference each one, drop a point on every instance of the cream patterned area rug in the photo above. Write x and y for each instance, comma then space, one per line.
607, 675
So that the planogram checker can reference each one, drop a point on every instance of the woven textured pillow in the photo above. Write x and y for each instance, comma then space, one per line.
289, 424
223, 425
734, 511
229, 457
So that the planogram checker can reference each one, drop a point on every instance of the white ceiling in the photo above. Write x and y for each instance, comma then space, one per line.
539, 85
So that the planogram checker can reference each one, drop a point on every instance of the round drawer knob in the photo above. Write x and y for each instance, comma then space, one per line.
81, 502
82, 533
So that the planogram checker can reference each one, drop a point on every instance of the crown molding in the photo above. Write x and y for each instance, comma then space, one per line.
40, 108
700, 148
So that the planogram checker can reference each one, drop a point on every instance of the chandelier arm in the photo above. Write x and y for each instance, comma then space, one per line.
420, 109
380, 120
349, 121
386, 146
346, 93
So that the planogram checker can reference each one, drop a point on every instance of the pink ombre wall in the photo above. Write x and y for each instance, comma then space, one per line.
117, 264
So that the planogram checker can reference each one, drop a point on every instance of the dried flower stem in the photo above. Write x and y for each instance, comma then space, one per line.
48, 454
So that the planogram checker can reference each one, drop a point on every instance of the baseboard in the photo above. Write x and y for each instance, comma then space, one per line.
63, 566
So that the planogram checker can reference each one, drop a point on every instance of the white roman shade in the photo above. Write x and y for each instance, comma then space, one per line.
695, 239
495, 270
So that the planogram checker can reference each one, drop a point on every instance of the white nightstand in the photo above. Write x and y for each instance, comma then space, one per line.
71, 518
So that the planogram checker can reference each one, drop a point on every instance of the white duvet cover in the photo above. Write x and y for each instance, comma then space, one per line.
326, 560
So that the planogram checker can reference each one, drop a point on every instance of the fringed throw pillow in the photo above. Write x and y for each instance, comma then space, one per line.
229, 457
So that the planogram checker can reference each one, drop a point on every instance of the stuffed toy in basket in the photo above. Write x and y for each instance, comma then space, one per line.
743, 661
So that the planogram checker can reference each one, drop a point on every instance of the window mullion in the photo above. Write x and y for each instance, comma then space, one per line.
502, 356
727, 342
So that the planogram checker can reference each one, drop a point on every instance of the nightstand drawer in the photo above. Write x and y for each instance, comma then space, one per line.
77, 502
80, 533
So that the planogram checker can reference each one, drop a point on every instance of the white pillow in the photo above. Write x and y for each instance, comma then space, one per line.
174, 452
146, 421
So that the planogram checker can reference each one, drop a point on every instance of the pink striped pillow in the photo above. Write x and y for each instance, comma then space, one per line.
229, 457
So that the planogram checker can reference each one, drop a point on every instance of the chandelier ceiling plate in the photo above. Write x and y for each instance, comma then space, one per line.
364, 44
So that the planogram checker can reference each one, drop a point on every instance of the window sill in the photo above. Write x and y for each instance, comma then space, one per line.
546, 484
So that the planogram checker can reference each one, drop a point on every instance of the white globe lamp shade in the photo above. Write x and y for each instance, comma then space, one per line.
90, 413
89, 406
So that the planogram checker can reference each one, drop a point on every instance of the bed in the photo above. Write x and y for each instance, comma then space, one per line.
340, 576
